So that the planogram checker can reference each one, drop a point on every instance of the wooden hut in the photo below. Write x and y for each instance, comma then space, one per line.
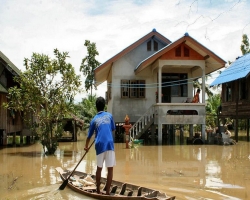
11, 123
235, 95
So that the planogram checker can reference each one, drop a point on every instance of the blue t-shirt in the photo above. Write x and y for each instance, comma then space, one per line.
103, 125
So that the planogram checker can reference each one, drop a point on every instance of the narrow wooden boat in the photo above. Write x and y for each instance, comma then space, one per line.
79, 182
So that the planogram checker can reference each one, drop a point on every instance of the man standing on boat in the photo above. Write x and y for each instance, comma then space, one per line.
103, 125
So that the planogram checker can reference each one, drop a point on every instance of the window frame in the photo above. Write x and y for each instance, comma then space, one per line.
124, 88
135, 88
186, 52
228, 92
155, 46
178, 51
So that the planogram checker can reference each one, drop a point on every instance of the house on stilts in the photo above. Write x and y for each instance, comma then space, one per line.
11, 122
235, 94
151, 81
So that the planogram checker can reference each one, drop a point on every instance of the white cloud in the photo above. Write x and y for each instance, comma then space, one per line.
41, 25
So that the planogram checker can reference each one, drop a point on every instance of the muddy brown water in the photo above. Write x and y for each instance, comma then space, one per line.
185, 171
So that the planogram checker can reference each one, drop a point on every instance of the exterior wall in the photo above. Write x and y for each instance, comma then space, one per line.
193, 55
230, 108
124, 69
3, 112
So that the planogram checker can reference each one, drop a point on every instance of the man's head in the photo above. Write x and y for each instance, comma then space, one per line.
198, 90
100, 104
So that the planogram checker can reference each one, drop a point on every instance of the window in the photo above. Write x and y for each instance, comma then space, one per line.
124, 88
155, 46
186, 52
149, 45
178, 51
228, 92
141, 88
133, 88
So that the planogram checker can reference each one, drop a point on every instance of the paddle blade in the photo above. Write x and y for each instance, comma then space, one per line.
64, 184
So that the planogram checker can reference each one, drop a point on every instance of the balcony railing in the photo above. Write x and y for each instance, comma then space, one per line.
169, 113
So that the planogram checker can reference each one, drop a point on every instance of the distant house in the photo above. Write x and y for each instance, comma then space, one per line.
151, 81
10, 121
235, 93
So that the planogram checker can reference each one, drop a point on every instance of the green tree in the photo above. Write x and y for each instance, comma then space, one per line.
244, 45
47, 90
197, 84
89, 63
212, 104
87, 110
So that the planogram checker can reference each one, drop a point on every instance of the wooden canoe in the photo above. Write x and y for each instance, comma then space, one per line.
119, 190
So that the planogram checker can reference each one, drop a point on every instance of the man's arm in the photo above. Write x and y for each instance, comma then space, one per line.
86, 148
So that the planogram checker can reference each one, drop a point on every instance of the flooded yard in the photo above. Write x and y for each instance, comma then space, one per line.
185, 171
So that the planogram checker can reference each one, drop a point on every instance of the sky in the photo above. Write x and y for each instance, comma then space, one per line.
40, 26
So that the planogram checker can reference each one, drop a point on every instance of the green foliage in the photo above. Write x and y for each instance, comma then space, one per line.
213, 102
87, 110
197, 84
89, 63
47, 90
245, 45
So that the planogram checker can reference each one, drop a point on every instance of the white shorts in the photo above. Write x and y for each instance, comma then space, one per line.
108, 157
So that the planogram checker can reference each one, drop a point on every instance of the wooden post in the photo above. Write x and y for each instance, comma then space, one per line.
248, 130
236, 121
127, 126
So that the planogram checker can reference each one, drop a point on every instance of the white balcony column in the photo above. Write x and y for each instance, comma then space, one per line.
203, 126
203, 85
159, 84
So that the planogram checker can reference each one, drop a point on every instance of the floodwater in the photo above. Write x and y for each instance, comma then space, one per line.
185, 171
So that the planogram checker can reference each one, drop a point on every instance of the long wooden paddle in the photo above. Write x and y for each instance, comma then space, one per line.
65, 182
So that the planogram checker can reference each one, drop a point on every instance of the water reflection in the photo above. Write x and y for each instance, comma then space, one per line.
185, 171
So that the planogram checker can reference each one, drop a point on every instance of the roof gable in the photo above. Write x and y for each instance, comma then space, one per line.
213, 61
182, 48
102, 71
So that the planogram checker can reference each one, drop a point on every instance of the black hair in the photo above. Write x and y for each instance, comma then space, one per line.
100, 104
198, 90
